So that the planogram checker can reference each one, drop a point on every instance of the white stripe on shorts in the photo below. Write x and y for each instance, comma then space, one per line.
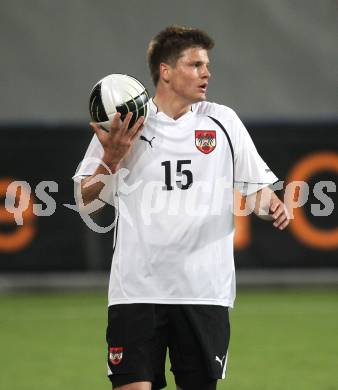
225, 366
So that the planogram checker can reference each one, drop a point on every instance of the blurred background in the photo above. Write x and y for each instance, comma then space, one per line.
275, 64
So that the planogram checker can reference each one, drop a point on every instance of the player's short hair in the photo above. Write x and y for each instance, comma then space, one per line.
168, 44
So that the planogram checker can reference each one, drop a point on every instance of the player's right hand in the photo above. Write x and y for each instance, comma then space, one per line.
118, 141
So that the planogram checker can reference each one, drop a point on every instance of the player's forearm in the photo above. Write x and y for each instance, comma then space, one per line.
98, 185
90, 192
266, 205
260, 202
116, 144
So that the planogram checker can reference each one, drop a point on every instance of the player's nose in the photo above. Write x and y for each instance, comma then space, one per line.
206, 72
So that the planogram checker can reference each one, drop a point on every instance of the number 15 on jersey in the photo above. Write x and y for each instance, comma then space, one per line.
185, 174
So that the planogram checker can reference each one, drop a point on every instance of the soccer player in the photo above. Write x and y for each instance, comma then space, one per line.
172, 179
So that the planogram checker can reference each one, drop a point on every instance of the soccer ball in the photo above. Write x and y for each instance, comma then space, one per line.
118, 93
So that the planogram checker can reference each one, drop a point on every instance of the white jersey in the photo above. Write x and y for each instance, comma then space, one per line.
174, 199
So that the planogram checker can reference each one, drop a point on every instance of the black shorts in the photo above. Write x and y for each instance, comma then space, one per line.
138, 336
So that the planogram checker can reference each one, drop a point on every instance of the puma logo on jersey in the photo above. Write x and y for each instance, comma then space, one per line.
220, 361
143, 138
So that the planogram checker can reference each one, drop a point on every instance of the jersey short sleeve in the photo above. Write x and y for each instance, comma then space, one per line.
91, 160
251, 173
88, 166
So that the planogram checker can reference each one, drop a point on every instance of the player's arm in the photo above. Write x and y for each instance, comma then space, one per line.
116, 144
266, 205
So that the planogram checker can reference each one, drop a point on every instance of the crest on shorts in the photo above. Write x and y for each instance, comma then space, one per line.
205, 140
115, 355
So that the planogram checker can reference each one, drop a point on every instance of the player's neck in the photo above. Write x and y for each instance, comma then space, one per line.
171, 104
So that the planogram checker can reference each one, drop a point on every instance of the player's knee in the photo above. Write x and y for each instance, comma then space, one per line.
135, 386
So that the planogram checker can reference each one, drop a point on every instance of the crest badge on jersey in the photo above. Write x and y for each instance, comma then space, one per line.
205, 140
115, 355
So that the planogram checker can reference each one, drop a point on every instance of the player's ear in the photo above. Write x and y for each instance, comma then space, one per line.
165, 72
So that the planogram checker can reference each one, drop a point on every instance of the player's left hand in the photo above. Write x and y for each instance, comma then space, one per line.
279, 213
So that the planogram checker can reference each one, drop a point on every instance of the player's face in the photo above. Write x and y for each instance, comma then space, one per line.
188, 79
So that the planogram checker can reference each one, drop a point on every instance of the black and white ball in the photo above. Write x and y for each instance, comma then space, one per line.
118, 93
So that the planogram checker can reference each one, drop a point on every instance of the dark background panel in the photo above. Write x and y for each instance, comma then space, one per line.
64, 242
283, 145
34, 154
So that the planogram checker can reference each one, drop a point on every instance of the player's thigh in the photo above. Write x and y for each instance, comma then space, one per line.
136, 337
192, 380
198, 342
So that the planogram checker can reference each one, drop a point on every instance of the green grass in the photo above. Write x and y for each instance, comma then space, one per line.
281, 340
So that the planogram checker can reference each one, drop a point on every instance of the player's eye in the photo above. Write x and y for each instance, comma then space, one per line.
200, 65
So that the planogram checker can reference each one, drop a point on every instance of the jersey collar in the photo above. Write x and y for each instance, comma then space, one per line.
162, 115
